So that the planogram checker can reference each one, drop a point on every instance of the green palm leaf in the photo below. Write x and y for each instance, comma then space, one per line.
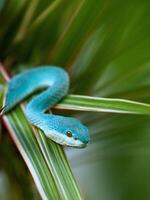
97, 104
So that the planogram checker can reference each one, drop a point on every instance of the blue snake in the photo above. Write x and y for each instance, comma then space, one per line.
54, 83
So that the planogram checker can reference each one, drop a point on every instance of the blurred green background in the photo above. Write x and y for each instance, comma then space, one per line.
105, 47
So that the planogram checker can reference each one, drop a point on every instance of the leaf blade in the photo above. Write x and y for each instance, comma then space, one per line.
97, 104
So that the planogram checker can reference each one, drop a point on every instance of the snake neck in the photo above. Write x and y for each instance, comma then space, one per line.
41, 120
36, 108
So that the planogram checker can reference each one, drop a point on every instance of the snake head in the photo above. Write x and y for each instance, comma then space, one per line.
76, 133
68, 131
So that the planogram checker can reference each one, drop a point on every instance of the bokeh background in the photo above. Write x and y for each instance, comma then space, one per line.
105, 47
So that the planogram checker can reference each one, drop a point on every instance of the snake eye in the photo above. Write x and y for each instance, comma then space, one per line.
69, 134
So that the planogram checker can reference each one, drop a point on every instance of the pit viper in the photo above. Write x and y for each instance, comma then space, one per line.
52, 84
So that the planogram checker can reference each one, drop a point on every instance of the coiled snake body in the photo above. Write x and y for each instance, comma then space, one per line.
63, 130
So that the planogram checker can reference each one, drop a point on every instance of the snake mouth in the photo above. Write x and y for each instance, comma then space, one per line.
79, 144
65, 140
